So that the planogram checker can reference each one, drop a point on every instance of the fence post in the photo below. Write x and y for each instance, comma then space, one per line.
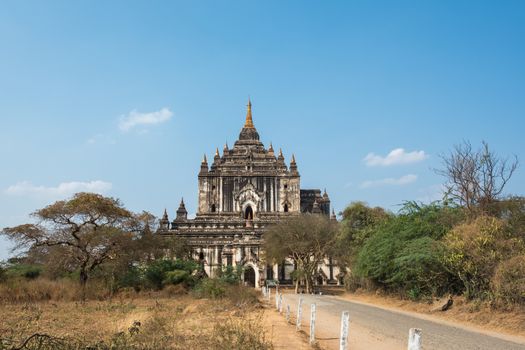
276, 301
269, 294
312, 323
345, 320
287, 313
414, 339
299, 314
280, 303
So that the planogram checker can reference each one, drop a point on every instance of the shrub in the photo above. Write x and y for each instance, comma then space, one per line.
475, 249
210, 288
176, 277
509, 280
239, 334
404, 253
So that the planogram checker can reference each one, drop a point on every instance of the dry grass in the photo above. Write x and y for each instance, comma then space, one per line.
128, 321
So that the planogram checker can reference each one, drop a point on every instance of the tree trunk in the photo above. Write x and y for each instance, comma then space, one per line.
83, 282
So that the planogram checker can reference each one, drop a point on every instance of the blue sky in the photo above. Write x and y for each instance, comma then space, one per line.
124, 97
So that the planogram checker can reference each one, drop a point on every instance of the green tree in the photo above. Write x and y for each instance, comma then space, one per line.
306, 239
359, 222
87, 231
404, 252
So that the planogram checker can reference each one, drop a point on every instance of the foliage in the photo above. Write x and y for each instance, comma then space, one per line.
230, 274
90, 229
25, 270
212, 288
306, 239
359, 221
404, 253
509, 281
474, 251
159, 272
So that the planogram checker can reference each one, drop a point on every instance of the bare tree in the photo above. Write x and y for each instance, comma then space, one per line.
475, 178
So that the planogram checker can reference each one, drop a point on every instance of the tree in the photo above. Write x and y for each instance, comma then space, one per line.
403, 253
306, 239
358, 223
475, 178
86, 231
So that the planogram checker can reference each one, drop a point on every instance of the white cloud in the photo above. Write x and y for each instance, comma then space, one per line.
396, 156
64, 189
101, 138
390, 181
135, 118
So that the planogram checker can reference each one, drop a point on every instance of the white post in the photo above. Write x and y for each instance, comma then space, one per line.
299, 314
345, 320
312, 324
269, 294
414, 339
276, 301
280, 303
288, 313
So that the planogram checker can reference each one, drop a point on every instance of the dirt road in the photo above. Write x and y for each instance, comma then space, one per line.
379, 328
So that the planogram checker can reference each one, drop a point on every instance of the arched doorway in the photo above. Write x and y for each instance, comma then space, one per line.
248, 213
249, 276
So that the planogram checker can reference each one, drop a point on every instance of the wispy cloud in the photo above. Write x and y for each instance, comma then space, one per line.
134, 118
390, 181
63, 189
101, 138
395, 157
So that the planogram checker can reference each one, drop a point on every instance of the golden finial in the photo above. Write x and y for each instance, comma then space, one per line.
293, 158
249, 122
281, 153
204, 160
217, 152
271, 148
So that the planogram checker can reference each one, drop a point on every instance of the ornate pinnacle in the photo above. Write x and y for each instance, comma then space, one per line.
249, 121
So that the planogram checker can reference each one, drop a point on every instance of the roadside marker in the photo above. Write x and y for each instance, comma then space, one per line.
299, 314
414, 339
345, 320
312, 324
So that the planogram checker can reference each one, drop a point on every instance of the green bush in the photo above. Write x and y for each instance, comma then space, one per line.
403, 254
156, 272
212, 288
230, 274
176, 277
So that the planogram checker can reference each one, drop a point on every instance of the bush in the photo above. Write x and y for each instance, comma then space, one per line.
403, 254
176, 277
156, 273
509, 280
475, 249
210, 288
230, 274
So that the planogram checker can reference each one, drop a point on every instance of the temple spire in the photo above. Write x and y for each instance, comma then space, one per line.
249, 121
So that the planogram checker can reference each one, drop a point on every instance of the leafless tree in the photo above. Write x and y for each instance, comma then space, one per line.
475, 178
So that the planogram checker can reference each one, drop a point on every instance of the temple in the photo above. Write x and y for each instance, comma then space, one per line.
241, 193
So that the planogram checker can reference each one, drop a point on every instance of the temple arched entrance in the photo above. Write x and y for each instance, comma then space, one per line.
248, 213
249, 276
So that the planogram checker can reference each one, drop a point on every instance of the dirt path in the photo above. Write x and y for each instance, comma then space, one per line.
282, 334
373, 327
